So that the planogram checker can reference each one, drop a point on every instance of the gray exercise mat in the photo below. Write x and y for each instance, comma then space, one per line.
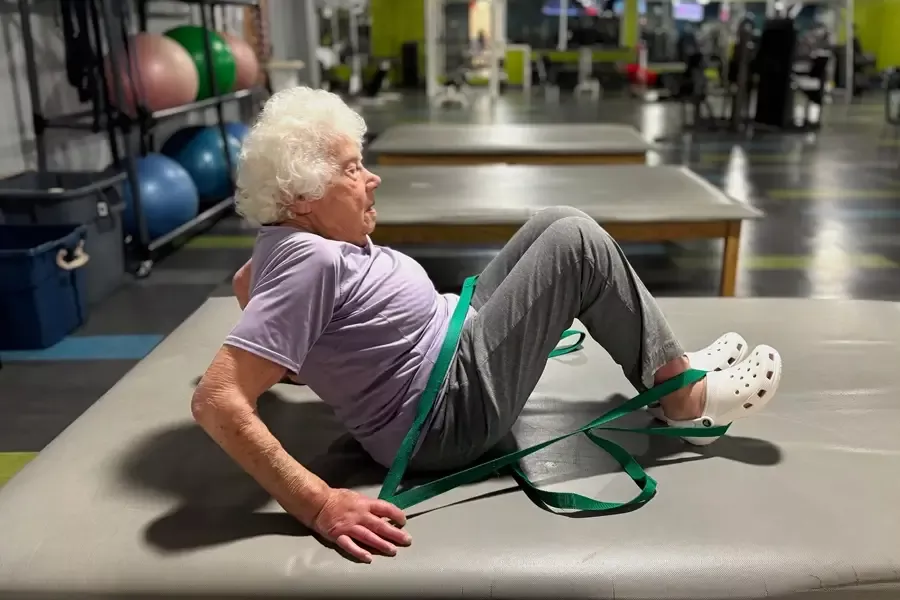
530, 139
510, 194
133, 501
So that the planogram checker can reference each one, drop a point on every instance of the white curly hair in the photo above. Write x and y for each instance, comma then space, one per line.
290, 152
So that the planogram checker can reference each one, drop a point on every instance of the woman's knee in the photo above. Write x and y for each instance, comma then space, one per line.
555, 213
574, 231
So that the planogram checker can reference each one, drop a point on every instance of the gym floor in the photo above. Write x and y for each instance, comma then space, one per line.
832, 229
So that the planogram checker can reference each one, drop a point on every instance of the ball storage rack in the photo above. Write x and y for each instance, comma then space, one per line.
131, 136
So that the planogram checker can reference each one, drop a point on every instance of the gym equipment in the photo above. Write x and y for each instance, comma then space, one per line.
169, 196
775, 102
245, 61
434, 143
151, 496
224, 68
732, 108
203, 156
448, 59
99, 34
159, 74
587, 82
892, 97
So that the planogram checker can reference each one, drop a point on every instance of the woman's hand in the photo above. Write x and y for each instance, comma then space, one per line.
348, 517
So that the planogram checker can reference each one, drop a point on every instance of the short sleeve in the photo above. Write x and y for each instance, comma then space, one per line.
290, 305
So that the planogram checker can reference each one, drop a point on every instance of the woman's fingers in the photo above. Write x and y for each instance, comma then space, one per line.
387, 531
346, 543
381, 508
368, 537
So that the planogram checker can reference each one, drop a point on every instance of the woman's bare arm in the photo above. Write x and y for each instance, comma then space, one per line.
240, 283
224, 404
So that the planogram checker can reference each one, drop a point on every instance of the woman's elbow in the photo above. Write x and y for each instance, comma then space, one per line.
212, 397
204, 407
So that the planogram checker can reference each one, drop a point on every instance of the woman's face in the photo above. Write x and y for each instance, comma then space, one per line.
347, 211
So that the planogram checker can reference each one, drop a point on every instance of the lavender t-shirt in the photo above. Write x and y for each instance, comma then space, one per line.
361, 326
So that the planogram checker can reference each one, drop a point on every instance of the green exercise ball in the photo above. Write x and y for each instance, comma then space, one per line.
190, 37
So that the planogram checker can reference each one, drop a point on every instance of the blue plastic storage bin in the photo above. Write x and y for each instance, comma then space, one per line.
42, 284
74, 198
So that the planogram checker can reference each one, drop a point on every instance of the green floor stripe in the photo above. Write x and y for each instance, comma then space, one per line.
789, 262
13, 462
832, 194
712, 158
221, 242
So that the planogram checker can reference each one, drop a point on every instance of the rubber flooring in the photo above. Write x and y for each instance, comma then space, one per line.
832, 229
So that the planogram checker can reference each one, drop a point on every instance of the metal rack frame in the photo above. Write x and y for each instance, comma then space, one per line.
142, 250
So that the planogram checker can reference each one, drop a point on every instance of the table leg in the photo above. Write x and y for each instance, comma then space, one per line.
728, 281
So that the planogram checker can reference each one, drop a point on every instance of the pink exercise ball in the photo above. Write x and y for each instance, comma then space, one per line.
161, 75
245, 59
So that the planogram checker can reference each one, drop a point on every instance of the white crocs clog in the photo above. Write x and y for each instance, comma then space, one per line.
736, 392
730, 349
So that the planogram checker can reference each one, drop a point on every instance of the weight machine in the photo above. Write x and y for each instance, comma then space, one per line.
448, 81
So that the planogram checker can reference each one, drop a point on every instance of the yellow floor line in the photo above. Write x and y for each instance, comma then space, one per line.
13, 462
788, 262
832, 194
709, 158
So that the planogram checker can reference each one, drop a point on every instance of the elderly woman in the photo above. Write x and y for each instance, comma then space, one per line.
362, 325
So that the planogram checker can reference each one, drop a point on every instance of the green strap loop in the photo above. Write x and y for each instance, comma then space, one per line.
571, 347
509, 462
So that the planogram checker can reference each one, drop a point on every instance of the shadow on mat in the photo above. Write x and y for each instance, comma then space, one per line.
577, 458
218, 503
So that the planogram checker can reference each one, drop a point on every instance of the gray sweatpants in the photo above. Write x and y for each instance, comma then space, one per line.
559, 266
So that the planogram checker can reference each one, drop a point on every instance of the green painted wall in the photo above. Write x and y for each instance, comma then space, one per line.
867, 18
395, 22
877, 25
888, 50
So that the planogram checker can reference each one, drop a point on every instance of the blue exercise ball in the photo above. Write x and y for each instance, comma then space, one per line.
203, 156
176, 142
169, 197
238, 130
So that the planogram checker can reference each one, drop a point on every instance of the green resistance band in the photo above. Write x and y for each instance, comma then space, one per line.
508, 463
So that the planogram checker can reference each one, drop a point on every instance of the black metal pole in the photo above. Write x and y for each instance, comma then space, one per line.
37, 115
115, 55
103, 88
142, 14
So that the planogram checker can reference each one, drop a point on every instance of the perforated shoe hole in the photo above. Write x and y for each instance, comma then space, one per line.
761, 393
748, 405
